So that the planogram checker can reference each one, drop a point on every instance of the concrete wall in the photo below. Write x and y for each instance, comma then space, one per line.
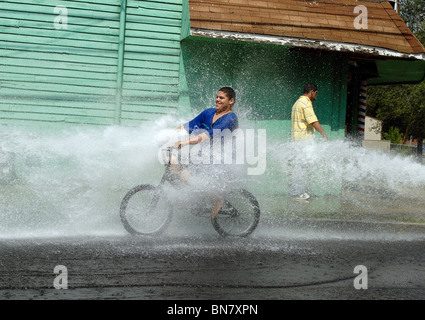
373, 129
383, 145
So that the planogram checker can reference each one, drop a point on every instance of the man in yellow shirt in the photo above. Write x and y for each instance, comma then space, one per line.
304, 123
303, 119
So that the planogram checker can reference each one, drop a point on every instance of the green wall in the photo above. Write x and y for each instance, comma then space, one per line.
99, 62
268, 80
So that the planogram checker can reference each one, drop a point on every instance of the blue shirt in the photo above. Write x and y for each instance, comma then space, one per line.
203, 122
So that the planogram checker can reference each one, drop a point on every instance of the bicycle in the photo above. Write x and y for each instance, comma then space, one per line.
146, 209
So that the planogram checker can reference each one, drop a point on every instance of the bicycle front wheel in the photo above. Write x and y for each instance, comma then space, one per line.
145, 211
239, 215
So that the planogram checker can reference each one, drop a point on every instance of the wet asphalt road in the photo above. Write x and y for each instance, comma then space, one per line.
314, 260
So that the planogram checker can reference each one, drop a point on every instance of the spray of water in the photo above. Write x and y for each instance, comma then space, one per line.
355, 165
71, 182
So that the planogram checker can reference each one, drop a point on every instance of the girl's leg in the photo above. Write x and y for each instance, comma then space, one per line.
217, 206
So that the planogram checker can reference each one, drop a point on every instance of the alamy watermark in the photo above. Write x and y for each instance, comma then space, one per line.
240, 147
61, 20
360, 282
360, 22
61, 280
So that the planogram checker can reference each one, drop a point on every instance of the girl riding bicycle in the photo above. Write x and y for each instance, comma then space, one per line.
203, 128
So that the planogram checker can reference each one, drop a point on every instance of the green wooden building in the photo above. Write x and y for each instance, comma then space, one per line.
105, 62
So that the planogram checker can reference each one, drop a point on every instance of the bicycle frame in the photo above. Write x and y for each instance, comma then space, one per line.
176, 180
168, 175
238, 216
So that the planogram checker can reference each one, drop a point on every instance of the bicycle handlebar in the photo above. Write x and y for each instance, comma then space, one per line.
167, 154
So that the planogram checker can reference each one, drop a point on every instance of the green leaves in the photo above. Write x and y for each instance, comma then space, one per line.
399, 106
402, 107
394, 135
413, 13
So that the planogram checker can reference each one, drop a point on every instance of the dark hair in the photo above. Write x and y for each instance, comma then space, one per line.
231, 94
309, 87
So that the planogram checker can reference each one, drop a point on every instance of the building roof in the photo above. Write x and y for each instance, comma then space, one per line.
320, 24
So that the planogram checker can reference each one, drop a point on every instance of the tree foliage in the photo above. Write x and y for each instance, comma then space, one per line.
413, 13
403, 106
400, 106
394, 135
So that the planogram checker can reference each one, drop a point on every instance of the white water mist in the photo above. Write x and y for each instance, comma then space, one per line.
71, 181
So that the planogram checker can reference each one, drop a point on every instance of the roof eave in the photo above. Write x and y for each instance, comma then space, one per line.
309, 44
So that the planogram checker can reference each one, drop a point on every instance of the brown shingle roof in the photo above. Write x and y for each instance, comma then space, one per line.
330, 20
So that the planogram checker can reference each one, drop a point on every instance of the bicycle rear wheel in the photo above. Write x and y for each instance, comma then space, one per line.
145, 210
239, 215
